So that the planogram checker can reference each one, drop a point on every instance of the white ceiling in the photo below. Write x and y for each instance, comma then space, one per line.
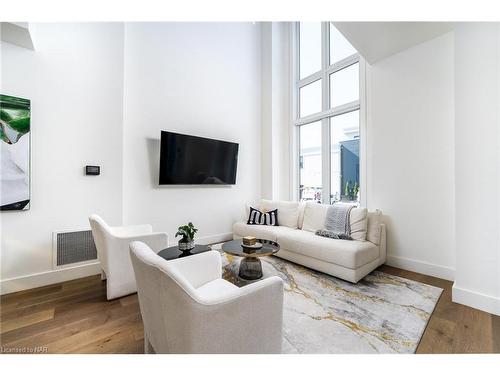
17, 33
378, 40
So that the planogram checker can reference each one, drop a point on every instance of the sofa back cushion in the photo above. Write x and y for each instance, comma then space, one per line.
288, 212
302, 207
359, 223
373, 230
314, 216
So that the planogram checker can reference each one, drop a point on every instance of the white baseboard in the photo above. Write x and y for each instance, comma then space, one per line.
36, 280
476, 300
419, 266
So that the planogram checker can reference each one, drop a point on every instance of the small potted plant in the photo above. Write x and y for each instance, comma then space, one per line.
186, 243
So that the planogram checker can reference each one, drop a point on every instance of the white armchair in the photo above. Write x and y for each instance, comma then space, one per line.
112, 245
187, 307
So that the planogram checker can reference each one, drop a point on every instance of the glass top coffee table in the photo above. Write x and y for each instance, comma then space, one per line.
250, 265
173, 252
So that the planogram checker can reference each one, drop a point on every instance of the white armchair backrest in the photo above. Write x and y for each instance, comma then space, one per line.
164, 295
178, 318
101, 233
150, 278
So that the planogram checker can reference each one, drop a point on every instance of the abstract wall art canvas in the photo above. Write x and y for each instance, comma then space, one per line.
14, 153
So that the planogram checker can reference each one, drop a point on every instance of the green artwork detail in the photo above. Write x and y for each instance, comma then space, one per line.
15, 126
14, 118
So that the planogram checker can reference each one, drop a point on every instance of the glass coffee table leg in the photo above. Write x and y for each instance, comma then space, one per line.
250, 268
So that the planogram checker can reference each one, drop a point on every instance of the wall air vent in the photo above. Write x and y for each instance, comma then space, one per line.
75, 247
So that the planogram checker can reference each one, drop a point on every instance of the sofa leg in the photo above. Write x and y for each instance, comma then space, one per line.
148, 348
103, 275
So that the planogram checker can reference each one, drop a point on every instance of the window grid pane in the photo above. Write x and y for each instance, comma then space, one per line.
344, 86
340, 48
310, 98
310, 165
309, 48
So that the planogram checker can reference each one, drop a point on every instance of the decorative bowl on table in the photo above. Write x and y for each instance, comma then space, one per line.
255, 246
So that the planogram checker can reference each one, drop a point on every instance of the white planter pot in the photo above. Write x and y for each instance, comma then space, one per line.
186, 246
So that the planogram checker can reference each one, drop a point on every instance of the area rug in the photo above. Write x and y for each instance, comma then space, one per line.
322, 314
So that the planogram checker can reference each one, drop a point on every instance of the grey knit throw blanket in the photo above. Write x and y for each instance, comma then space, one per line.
337, 222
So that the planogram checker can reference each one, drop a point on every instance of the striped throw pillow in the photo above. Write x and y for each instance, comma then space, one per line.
257, 217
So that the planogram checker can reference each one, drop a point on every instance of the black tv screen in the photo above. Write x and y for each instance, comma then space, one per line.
190, 160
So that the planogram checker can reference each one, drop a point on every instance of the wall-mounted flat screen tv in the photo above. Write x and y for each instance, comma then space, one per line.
190, 160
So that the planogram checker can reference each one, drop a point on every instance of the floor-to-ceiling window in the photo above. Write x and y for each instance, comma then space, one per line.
326, 114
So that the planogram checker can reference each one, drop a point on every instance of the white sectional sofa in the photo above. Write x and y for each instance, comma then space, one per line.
350, 260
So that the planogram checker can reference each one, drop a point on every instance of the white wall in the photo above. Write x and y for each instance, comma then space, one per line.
410, 154
477, 165
87, 108
74, 81
275, 97
199, 79
268, 181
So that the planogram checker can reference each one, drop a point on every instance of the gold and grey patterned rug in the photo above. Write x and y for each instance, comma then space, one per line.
322, 314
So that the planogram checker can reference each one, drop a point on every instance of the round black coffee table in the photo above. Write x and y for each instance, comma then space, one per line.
250, 265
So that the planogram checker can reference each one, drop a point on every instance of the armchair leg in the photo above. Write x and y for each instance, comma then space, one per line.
103, 275
148, 348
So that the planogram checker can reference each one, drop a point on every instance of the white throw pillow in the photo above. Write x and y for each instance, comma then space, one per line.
314, 216
359, 223
288, 212
373, 230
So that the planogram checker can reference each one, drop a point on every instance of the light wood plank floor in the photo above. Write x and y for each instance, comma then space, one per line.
74, 317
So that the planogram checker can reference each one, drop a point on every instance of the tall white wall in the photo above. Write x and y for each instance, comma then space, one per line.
195, 78
74, 80
477, 165
202, 79
268, 181
410, 154
275, 97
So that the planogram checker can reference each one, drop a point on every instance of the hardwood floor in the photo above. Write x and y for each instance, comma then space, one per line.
454, 328
74, 317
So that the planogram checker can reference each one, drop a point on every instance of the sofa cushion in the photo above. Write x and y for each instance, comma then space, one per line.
265, 232
314, 216
373, 228
349, 254
359, 222
288, 211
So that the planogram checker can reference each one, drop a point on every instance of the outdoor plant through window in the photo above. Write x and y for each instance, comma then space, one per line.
327, 115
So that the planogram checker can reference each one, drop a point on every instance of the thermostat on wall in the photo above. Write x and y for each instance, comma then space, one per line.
93, 170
